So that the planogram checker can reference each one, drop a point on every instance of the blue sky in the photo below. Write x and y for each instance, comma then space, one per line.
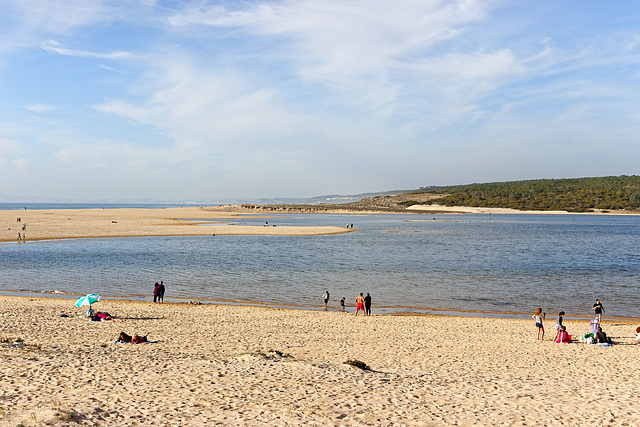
205, 100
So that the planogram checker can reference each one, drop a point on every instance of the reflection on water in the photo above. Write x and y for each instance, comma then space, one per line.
512, 263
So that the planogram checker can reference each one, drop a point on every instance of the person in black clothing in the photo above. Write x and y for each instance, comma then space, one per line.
161, 294
599, 310
367, 305
601, 337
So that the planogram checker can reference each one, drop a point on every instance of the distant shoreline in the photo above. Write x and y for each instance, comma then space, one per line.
51, 224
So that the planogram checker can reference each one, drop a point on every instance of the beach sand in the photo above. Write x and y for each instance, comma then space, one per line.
86, 223
236, 365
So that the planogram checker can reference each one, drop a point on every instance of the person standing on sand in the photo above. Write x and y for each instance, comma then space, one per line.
359, 303
161, 294
599, 310
367, 305
539, 316
156, 292
325, 298
559, 325
342, 304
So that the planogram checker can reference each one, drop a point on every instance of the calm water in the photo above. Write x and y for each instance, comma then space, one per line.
503, 263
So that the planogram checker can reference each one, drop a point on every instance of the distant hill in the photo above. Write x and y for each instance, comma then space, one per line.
613, 193
572, 195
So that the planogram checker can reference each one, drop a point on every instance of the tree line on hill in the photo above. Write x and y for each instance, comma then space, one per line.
572, 195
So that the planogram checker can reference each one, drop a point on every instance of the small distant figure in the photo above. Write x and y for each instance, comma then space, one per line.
559, 324
124, 338
601, 337
599, 310
156, 292
351, 225
105, 317
342, 305
637, 340
359, 303
137, 339
325, 298
19, 237
367, 305
266, 224
539, 316
24, 226
563, 336
161, 294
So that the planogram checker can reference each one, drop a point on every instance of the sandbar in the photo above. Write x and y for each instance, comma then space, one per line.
234, 365
93, 223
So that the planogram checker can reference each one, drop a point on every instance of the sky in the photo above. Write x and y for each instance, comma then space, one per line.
205, 100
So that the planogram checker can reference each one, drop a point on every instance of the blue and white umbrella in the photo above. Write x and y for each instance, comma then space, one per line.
87, 300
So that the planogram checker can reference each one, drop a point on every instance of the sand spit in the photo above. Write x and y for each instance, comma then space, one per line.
230, 365
86, 223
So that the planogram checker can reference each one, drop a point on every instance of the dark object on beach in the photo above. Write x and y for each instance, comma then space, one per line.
156, 292
358, 364
64, 315
124, 338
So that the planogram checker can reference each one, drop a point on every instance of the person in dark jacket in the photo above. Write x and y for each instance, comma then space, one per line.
161, 294
367, 305
156, 292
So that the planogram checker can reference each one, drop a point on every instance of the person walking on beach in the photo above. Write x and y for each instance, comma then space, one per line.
156, 292
367, 305
539, 316
161, 293
599, 310
325, 298
342, 304
359, 303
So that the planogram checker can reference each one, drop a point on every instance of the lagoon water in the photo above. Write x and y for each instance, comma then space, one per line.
503, 264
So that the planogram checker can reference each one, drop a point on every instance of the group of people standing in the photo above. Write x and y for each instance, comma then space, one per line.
158, 292
22, 236
362, 303
562, 335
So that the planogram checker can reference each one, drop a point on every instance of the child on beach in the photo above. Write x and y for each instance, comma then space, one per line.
599, 310
539, 316
637, 340
558, 325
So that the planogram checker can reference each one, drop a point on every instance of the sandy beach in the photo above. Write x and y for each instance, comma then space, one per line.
87, 223
232, 365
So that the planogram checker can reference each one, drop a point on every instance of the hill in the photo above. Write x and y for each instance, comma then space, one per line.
613, 193
571, 195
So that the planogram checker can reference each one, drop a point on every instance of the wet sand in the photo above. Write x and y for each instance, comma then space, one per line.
250, 366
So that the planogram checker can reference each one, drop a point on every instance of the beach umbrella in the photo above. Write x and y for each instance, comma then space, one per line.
87, 300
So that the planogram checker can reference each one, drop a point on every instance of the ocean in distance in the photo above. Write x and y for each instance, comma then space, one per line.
498, 265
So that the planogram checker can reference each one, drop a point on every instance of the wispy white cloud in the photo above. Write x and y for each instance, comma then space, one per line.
53, 47
40, 108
